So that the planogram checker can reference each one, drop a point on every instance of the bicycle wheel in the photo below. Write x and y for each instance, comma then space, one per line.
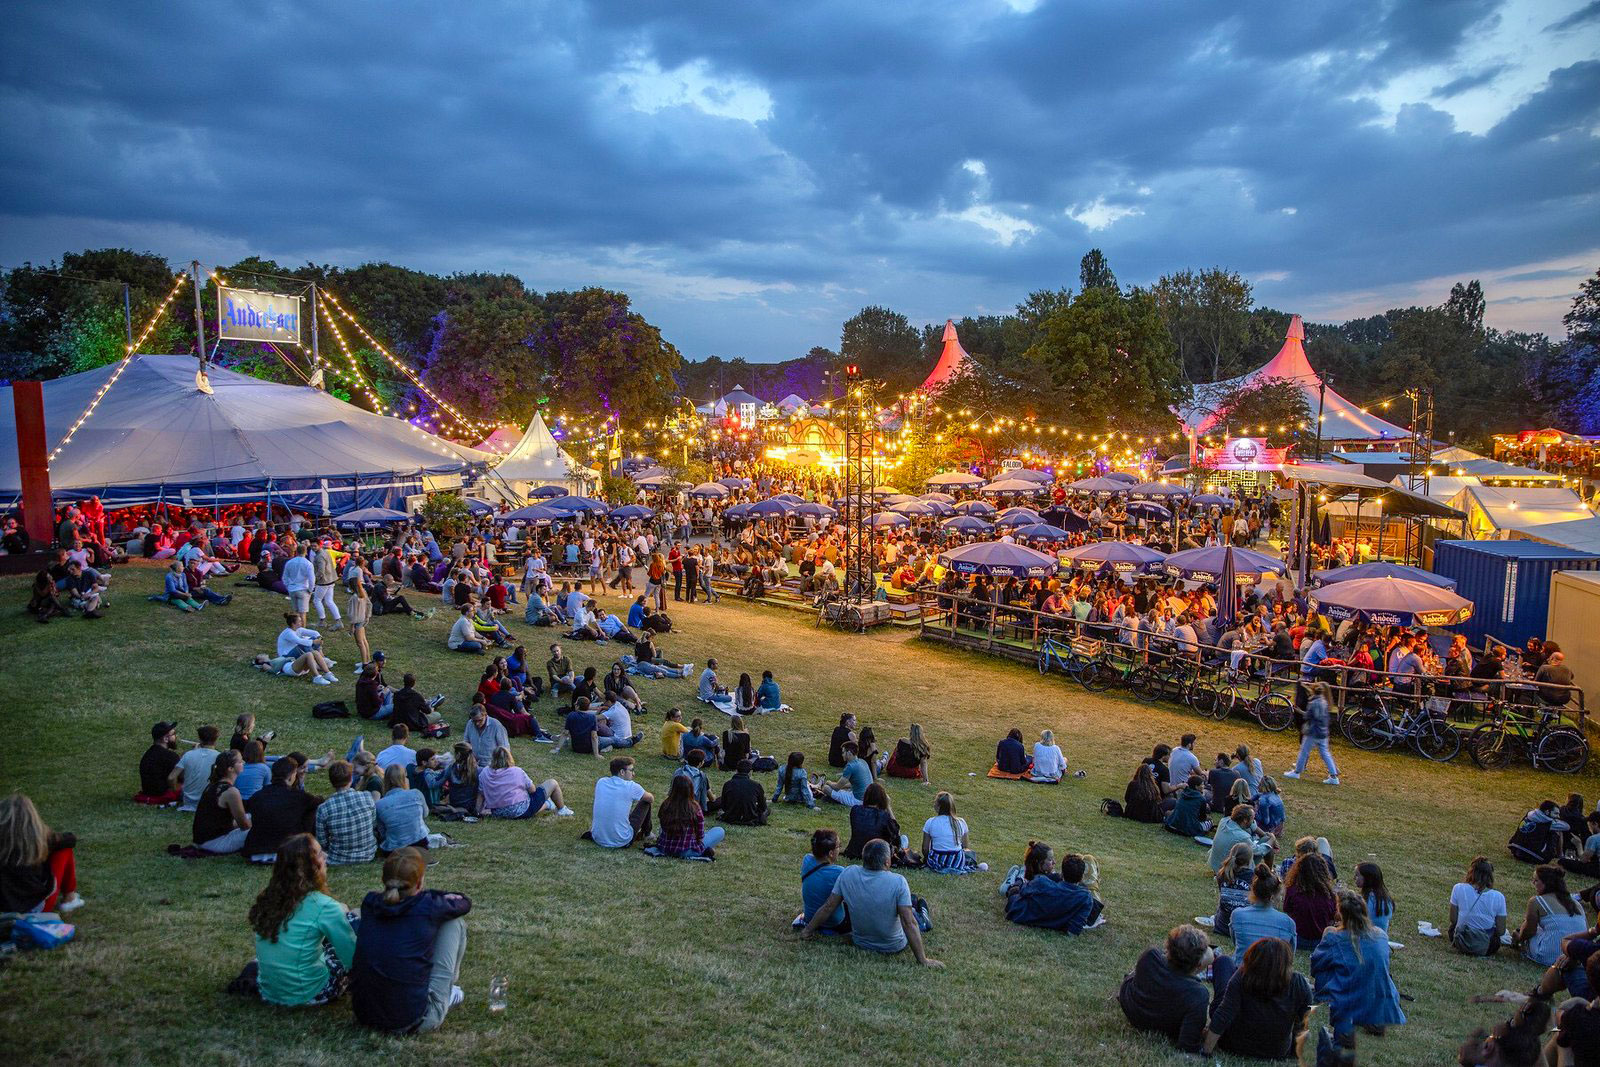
1364, 727
1435, 740
1227, 700
1044, 661
1274, 711
1097, 676
1562, 749
1492, 746
1203, 696
1145, 684
852, 621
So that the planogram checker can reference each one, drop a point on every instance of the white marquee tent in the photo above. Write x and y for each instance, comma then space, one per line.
538, 460
158, 434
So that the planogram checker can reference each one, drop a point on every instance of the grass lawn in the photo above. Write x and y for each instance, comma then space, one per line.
616, 957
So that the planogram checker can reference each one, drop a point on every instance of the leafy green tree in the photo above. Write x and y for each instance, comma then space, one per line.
1279, 406
603, 356
885, 346
1111, 358
1094, 272
480, 360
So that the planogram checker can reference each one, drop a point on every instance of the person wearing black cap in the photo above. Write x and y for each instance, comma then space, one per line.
155, 767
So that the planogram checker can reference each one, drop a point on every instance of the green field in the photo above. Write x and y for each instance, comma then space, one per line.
617, 957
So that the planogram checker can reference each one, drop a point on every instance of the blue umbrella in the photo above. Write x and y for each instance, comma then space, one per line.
738, 511
710, 490
633, 511
1208, 499
1391, 602
815, 510
775, 508
1384, 570
1000, 559
1120, 556
1040, 531
1018, 517
975, 507
734, 483
1150, 510
534, 515
1156, 491
479, 507
370, 519
1205, 564
790, 497
1099, 485
967, 524
547, 492
1122, 476
1030, 475
944, 498
1227, 593
888, 518
576, 504
912, 507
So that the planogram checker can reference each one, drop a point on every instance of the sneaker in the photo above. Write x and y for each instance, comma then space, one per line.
228, 599
983, 866
431, 613
435, 702
330, 677
268, 736
1332, 779
321, 679
549, 805
72, 902
456, 995
333, 663
469, 818
565, 812
1290, 774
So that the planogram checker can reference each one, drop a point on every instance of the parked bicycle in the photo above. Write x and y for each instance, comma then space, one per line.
1544, 740
1255, 696
1368, 724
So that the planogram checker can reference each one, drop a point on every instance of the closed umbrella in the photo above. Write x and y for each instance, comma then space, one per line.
1227, 594
1391, 602
1384, 570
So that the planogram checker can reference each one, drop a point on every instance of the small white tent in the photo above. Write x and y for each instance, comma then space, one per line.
792, 404
538, 460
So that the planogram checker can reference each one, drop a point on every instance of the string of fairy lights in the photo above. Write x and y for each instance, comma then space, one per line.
127, 359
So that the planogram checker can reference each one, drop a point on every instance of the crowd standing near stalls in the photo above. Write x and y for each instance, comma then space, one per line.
400, 958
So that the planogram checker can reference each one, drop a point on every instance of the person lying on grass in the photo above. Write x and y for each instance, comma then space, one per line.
1049, 898
880, 907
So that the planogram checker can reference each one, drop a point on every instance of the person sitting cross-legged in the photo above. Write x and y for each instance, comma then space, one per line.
304, 941
882, 912
508, 793
621, 808
819, 871
1052, 899
851, 786
1264, 1007
345, 821
743, 800
683, 826
408, 950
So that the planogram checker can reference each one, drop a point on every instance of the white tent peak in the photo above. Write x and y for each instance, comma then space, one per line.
538, 458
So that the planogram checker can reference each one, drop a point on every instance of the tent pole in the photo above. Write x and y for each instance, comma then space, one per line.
316, 358
199, 316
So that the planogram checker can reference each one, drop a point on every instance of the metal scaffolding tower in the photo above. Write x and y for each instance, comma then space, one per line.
1421, 461
860, 479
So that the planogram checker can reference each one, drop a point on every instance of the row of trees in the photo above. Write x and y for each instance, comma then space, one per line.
484, 342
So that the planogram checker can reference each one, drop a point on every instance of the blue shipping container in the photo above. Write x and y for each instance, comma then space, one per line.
1508, 583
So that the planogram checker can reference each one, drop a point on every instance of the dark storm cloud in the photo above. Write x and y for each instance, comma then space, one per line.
1586, 14
755, 172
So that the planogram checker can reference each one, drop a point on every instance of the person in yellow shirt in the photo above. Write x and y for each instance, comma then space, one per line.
672, 732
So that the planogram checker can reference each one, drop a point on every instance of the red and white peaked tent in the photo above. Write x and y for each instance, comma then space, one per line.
1342, 420
952, 360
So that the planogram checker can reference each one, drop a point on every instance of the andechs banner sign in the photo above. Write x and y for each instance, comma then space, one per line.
1243, 454
251, 315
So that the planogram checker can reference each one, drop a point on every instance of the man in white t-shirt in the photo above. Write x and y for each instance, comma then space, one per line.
397, 752
622, 735
621, 808
193, 772
881, 915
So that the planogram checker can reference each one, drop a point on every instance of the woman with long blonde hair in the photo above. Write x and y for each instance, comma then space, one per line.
944, 840
910, 756
38, 870
304, 941
409, 950
1350, 969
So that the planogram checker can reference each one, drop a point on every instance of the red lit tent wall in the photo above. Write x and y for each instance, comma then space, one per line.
952, 361
1341, 419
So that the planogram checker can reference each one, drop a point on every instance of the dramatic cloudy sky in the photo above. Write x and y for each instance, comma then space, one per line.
754, 172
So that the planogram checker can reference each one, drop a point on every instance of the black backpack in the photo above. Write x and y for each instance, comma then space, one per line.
1111, 807
331, 709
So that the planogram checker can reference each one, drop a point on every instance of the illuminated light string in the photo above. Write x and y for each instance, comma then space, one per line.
127, 359
460, 419
358, 380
